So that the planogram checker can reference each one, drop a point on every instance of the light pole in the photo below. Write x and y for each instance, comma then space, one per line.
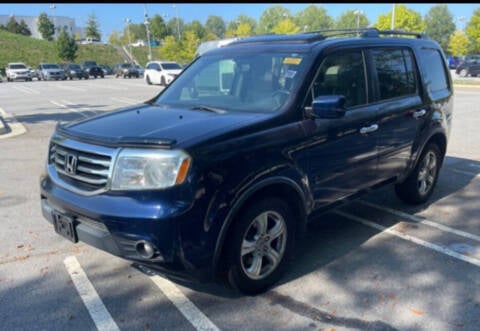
178, 22
52, 7
461, 19
392, 23
147, 23
127, 21
358, 12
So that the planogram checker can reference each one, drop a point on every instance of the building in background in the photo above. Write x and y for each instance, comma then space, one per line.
60, 22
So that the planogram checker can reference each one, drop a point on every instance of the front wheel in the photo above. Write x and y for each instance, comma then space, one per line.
463, 73
149, 82
418, 186
162, 81
261, 243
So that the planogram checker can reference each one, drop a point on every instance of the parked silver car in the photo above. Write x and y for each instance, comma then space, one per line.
50, 71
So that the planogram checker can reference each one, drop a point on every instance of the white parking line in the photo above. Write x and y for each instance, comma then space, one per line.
66, 107
25, 90
463, 172
71, 88
407, 237
186, 307
422, 221
99, 313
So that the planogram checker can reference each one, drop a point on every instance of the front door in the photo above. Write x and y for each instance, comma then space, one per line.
341, 154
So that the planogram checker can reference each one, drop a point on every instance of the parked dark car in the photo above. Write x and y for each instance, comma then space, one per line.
218, 175
107, 70
92, 68
470, 67
73, 70
125, 70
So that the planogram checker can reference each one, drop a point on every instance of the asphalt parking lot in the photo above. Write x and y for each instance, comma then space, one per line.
376, 264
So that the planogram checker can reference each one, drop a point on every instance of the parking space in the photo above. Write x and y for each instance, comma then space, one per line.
375, 264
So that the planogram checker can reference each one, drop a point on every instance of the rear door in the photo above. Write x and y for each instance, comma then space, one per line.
400, 107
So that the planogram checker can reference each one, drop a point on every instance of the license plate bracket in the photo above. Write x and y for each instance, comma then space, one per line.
65, 226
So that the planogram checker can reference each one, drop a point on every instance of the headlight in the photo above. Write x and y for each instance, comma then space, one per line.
140, 169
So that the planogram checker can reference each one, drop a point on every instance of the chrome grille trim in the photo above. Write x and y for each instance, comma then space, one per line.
95, 166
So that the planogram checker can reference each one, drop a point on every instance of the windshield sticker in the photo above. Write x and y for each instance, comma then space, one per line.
292, 60
290, 73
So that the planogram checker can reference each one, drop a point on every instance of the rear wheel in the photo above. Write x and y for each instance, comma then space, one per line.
463, 73
162, 81
419, 185
260, 245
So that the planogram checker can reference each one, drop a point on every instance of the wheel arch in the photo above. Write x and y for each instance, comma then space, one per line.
281, 187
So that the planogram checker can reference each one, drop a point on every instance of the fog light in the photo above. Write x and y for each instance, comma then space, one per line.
145, 249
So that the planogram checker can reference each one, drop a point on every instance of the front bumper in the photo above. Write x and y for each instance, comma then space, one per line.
115, 224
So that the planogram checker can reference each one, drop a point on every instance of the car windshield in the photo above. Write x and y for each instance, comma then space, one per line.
171, 66
17, 66
74, 67
127, 65
255, 82
90, 64
50, 66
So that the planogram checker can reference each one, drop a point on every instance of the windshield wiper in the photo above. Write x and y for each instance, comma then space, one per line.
210, 109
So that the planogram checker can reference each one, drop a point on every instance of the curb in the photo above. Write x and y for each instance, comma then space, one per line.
9, 126
466, 85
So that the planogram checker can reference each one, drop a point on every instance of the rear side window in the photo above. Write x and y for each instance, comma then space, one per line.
396, 77
434, 70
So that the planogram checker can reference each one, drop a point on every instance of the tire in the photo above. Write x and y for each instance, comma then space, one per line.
419, 185
149, 82
95, 76
265, 233
162, 81
463, 73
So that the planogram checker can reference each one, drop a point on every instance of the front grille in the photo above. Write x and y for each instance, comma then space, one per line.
89, 172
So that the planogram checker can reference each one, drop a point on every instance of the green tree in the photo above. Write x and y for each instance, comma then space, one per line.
241, 30
198, 28
405, 19
286, 26
458, 44
13, 26
175, 27
93, 29
66, 46
158, 28
170, 49
24, 30
216, 25
45, 27
314, 18
188, 45
139, 31
270, 18
115, 38
439, 24
473, 31
349, 20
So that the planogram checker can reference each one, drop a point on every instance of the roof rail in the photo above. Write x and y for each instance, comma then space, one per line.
366, 32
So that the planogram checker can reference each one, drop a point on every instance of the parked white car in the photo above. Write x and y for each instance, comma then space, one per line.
161, 72
17, 70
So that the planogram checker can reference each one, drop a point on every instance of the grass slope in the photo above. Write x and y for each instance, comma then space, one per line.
18, 48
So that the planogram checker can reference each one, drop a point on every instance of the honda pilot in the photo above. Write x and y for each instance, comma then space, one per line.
217, 176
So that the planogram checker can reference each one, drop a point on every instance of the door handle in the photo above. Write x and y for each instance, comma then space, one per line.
419, 113
368, 129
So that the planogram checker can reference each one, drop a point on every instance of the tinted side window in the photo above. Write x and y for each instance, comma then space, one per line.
341, 74
395, 72
434, 70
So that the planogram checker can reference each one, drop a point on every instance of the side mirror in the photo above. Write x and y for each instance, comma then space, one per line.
328, 106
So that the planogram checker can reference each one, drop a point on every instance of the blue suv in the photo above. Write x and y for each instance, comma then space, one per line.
217, 176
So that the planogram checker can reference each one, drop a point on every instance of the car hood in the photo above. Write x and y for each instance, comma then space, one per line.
153, 125
19, 70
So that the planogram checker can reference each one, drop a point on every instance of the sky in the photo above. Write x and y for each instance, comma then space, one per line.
112, 16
